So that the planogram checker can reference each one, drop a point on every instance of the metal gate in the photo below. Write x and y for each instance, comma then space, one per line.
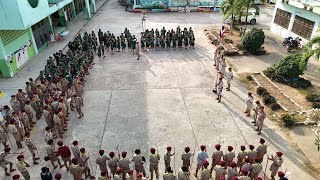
41, 32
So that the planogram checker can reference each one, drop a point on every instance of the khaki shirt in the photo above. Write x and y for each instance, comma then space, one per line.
232, 172
256, 168
216, 156
102, 160
168, 176
229, 156
261, 150
29, 143
138, 161
113, 162
186, 158
21, 166
154, 159
220, 171
251, 155
124, 164
75, 151
205, 175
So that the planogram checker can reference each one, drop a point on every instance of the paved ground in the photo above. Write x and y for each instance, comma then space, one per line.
164, 99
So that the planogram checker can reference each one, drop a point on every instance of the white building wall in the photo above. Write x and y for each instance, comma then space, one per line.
283, 32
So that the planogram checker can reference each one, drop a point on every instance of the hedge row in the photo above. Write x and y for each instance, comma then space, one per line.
268, 99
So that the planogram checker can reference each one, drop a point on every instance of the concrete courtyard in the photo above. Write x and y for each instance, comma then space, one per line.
164, 99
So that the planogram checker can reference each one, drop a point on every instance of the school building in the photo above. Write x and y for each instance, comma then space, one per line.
25, 27
296, 18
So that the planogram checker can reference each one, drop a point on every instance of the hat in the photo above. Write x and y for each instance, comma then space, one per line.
56, 111
103, 173
218, 146
60, 143
152, 149
230, 148
205, 163
258, 178
244, 171
246, 160
168, 148
139, 175
130, 171
222, 163
111, 154
74, 95
58, 176
281, 174
23, 110
27, 134
242, 147
20, 157
257, 102
12, 121
222, 178
17, 176
233, 164
251, 147
256, 159
74, 160
262, 140
123, 153
101, 152
234, 178
75, 143
279, 154
119, 171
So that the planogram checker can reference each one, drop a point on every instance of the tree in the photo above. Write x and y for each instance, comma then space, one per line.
312, 48
230, 8
250, 4
253, 40
289, 67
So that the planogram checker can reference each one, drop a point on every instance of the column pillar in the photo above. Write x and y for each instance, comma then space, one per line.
134, 4
93, 4
62, 17
88, 9
74, 8
50, 22
293, 15
34, 45
6, 71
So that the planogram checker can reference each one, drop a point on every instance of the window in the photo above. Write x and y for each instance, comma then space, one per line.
282, 18
9, 36
33, 3
69, 12
302, 27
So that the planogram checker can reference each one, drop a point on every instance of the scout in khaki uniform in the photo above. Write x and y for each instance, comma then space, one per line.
219, 86
35, 104
75, 169
48, 135
154, 163
183, 173
276, 163
256, 111
15, 104
241, 156
169, 174
186, 157
12, 129
4, 162
124, 163
205, 174
32, 147
261, 149
28, 90
65, 154
252, 153
232, 171
244, 175
75, 150
103, 175
50, 150
16, 177
220, 170
260, 119
3, 136
28, 109
58, 124
113, 163
256, 168
102, 161
21, 97
139, 161
22, 167
216, 156
84, 162
118, 175
58, 176
281, 176
47, 116
129, 175
216, 57
77, 103
229, 156
167, 158
247, 165
229, 78
248, 101
19, 125
25, 120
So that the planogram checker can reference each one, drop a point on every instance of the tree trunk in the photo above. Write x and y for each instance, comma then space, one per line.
231, 25
245, 23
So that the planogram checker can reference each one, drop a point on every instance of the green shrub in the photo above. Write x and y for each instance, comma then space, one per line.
249, 78
268, 99
289, 67
261, 90
253, 40
227, 40
275, 106
215, 42
287, 120
313, 97
316, 105
265, 94
240, 47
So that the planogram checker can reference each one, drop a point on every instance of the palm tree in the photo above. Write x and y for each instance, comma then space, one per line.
250, 4
312, 48
230, 8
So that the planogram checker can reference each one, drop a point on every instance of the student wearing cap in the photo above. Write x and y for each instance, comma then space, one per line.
21, 97
256, 168
48, 135
22, 167
52, 156
229, 78
15, 104
252, 153
281, 176
4, 162
124, 163
77, 103
154, 163
261, 150
102, 160
113, 163
186, 157
256, 111
232, 170
58, 123
12, 129
184, 173
75, 149
241, 156
167, 158
247, 165
220, 170
219, 86
216, 156
16, 177
84, 162
244, 175
129, 175
75, 169
201, 156
229, 156
139, 161
276, 163
248, 101
205, 174
65, 154
58, 176
119, 174
103, 175
32, 147
168, 175
260, 119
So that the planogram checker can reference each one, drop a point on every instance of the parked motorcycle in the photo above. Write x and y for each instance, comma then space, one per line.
291, 43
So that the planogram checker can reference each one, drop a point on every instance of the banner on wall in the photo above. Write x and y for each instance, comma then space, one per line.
21, 54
